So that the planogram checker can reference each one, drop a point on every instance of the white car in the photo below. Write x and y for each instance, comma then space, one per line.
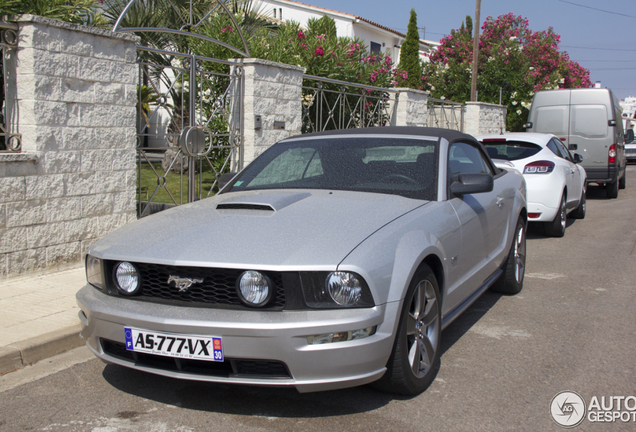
555, 180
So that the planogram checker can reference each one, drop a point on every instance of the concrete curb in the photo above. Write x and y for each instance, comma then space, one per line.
19, 354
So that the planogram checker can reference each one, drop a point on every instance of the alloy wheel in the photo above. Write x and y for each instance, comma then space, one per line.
422, 328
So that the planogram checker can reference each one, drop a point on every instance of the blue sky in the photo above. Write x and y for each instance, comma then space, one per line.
603, 42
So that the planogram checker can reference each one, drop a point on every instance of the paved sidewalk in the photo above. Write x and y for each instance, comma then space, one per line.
38, 317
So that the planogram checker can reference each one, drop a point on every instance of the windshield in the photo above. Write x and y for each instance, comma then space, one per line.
399, 166
510, 150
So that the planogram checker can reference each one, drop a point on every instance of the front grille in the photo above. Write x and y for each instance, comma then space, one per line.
630, 151
217, 289
230, 368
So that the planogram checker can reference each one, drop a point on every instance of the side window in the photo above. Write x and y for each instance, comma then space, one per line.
465, 158
557, 148
565, 151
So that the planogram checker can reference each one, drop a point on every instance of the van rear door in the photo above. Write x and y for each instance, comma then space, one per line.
590, 131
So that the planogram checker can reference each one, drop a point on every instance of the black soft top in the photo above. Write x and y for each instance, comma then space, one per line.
449, 134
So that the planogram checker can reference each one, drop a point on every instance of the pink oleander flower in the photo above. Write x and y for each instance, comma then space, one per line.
320, 51
301, 35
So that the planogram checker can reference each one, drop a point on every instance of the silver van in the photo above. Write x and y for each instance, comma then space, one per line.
588, 121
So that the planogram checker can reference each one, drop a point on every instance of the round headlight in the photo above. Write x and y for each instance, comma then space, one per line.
254, 288
127, 278
344, 288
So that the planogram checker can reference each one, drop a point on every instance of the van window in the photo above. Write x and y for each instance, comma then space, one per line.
589, 121
552, 119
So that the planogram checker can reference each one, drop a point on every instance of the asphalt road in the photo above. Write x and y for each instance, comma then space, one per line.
571, 328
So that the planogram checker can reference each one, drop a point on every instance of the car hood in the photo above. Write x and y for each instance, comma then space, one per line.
263, 229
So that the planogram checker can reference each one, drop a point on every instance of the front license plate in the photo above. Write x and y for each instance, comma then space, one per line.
174, 345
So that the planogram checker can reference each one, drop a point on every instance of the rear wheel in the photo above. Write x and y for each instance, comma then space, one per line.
622, 183
414, 361
611, 189
556, 228
514, 270
579, 212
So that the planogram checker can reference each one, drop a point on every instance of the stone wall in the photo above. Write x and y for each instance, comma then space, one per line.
409, 107
272, 91
73, 101
484, 118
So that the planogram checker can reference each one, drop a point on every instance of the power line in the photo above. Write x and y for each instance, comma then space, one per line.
597, 9
603, 49
608, 61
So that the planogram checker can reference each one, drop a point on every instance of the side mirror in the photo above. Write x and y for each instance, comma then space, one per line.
225, 179
573, 147
471, 183
528, 125
578, 158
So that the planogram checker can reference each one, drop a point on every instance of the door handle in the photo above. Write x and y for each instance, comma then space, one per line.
500, 202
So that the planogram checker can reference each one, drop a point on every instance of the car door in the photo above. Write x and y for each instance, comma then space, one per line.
570, 171
483, 219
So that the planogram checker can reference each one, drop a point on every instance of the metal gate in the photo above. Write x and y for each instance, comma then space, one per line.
189, 112
189, 127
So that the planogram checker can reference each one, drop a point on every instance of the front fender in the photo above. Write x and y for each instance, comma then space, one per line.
388, 259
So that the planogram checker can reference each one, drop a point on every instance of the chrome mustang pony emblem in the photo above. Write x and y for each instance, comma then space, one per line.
183, 283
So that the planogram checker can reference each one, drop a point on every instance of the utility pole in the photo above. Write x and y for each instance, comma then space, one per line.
473, 87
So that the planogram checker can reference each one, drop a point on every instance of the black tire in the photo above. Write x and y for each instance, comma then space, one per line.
579, 212
415, 359
622, 183
611, 189
514, 269
556, 228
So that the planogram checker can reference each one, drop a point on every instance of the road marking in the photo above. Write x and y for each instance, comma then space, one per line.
498, 332
548, 276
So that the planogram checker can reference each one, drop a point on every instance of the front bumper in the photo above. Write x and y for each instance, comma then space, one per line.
249, 335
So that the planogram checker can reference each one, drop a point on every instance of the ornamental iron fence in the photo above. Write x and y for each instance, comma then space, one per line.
330, 104
10, 142
445, 114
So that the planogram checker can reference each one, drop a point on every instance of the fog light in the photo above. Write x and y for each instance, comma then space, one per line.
533, 215
254, 288
127, 278
341, 336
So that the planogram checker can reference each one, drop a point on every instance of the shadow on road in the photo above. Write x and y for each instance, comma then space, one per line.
469, 318
595, 192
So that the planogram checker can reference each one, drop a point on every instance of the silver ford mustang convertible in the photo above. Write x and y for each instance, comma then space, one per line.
333, 260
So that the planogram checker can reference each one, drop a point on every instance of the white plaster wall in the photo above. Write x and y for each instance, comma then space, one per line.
301, 15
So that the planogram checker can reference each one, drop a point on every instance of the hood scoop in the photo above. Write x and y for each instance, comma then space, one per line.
267, 201
243, 206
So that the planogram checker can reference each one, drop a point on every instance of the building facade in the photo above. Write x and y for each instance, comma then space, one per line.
376, 37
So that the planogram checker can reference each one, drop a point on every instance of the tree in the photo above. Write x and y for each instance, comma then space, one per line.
512, 57
74, 11
410, 54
